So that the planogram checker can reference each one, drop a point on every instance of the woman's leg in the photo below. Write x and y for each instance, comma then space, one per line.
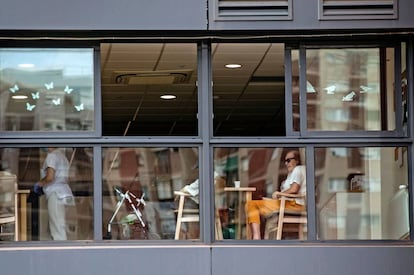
57, 220
257, 208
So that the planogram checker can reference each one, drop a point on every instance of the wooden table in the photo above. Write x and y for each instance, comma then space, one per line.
240, 207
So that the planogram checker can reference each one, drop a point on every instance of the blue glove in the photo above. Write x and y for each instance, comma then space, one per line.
38, 189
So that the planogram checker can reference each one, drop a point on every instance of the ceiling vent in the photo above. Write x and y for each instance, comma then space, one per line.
152, 77
357, 9
253, 10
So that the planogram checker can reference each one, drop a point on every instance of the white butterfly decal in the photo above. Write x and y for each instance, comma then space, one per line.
49, 85
14, 89
30, 107
56, 101
330, 90
349, 97
79, 107
68, 90
364, 89
36, 95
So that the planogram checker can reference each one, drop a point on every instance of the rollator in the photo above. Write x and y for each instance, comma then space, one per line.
131, 218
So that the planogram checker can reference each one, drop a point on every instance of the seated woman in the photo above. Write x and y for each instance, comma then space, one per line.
295, 183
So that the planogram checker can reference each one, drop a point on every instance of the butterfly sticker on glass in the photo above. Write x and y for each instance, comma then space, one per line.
56, 101
30, 107
14, 89
68, 90
35, 95
49, 86
79, 107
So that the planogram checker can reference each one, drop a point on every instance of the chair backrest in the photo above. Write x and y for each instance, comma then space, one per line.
8, 187
302, 190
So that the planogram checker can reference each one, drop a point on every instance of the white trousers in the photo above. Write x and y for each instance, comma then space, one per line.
57, 217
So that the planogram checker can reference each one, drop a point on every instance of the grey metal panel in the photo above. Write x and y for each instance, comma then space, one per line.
313, 260
107, 261
305, 17
206, 260
103, 15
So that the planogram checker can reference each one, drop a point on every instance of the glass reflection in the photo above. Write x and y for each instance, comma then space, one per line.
246, 185
46, 89
362, 193
141, 192
353, 89
63, 177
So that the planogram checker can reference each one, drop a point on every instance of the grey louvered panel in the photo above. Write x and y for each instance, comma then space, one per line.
357, 9
253, 10
252, 3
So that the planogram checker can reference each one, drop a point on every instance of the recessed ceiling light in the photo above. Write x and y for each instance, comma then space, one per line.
26, 65
232, 66
19, 96
168, 97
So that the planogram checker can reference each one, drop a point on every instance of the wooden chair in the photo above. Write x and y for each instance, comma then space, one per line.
191, 215
275, 222
8, 208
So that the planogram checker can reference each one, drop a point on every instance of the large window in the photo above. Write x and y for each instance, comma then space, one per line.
149, 89
206, 142
353, 89
249, 89
362, 193
140, 199
63, 210
46, 89
245, 189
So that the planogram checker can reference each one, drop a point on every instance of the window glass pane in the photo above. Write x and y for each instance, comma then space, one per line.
246, 179
362, 193
140, 196
295, 90
149, 89
63, 209
249, 89
353, 89
46, 89
404, 86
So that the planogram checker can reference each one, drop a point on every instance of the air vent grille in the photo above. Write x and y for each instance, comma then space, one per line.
151, 77
357, 9
253, 10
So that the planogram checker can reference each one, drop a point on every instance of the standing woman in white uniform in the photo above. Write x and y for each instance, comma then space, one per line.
54, 182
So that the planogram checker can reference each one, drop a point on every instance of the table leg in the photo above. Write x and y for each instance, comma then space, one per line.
239, 215
248, 231
23, 217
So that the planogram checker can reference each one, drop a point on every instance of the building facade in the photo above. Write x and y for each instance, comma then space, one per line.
152, 100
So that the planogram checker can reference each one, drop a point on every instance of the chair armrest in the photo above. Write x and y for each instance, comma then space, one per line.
182, 193
278, 194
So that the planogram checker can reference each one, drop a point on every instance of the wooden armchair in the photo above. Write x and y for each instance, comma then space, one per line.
184, 215
192, 215
276, 220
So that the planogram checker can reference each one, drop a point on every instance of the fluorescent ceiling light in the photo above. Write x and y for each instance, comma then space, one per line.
19, 96
168, 97
232, 66
26, 65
